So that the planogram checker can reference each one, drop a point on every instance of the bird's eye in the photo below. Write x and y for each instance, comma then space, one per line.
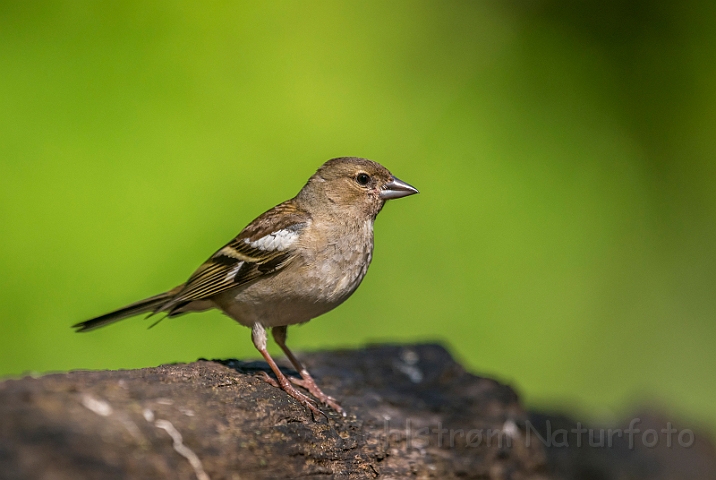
363, 179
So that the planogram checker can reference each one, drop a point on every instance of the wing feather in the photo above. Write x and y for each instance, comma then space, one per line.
262, 248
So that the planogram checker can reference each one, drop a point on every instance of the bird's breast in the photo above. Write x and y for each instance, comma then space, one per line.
337, 267
330, 265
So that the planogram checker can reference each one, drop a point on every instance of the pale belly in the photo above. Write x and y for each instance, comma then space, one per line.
304, 290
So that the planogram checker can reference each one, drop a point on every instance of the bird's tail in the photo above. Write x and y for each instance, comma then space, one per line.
151, 305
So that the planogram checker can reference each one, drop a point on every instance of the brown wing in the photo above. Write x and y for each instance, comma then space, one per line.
262, 248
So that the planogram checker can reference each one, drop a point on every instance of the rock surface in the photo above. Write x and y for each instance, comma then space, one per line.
412, 412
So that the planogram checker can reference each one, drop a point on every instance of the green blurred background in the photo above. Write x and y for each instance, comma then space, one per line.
564, 239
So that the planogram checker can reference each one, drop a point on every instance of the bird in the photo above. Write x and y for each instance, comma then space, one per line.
293, 263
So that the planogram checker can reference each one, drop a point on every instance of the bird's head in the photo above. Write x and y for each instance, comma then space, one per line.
353, 184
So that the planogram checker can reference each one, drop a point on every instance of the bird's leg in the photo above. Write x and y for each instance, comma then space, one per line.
306, 381
258, 335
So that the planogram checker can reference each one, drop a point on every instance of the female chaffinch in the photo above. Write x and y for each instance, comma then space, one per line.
295, 262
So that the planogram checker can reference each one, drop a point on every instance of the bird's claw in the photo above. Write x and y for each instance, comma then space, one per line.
267, 378
311, 386
302, 398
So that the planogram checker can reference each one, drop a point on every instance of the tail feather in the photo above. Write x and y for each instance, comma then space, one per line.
150, 304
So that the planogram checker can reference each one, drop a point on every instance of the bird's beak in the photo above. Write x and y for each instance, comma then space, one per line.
397, 189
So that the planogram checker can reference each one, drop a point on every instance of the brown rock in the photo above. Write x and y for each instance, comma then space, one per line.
412, 412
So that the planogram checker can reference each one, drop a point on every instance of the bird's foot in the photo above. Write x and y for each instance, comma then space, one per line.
309, 384
267, 378
302, 398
